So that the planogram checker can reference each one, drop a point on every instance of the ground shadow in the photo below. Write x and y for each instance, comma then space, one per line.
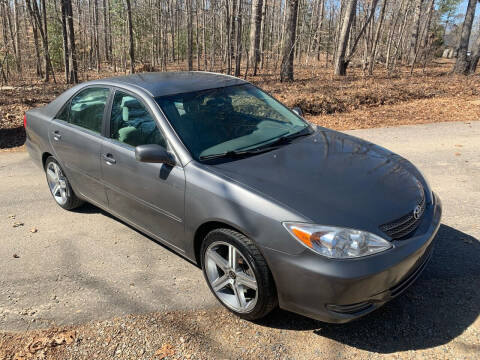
13, 137
440, 306
88, 208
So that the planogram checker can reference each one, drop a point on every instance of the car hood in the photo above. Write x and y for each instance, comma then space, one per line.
331, 178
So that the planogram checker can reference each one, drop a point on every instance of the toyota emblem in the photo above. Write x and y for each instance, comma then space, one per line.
417, 212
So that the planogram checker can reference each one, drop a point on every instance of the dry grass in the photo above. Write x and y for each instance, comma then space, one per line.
356, 101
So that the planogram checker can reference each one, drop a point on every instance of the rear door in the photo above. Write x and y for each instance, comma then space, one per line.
149, 195
76, 137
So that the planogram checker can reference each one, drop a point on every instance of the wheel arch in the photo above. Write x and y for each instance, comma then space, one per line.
45, 156
204, 229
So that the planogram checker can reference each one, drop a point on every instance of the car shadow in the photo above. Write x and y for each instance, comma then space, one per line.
440, 306
12, 137
88, 208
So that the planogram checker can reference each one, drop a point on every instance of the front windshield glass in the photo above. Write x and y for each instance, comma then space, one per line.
229, 119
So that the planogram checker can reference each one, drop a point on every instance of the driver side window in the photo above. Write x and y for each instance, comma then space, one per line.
131, 123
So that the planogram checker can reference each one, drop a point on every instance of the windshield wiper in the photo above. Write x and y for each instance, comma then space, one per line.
232, 154
285, 139
257, 150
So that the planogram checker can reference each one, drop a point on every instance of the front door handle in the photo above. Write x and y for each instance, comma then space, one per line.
109, 159
56, 135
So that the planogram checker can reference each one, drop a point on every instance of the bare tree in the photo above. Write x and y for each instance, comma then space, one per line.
286, 68
42, 28
238, 50
462, 64
130, 37
340, 61
376, 39
255, 33
415, 30
190, 35
475, 53
18, 54
66, 52
71, 35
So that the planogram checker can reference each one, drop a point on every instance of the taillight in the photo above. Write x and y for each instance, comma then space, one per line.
25, 121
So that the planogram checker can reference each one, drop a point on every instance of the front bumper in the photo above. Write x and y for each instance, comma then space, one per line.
339, 291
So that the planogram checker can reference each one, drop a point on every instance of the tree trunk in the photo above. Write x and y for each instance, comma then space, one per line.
204, 33
255, 32
475, 53
286, 68
96, 37
415, 30
42, 27
189, 35
231, 46
238, 50
462, 64
197, 43
214, 30
106, 30
340, 61
376, 38
18, 55
130, 37
71, 36
37, 48
66, 52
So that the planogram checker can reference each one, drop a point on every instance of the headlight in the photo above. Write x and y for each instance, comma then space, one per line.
337, 242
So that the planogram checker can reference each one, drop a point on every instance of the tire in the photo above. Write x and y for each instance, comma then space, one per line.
238, 294
63, 195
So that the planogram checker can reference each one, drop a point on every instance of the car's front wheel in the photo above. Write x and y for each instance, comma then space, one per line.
237, 274
59, 185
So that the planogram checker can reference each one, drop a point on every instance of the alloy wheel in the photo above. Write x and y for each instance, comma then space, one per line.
231, 277
57, 183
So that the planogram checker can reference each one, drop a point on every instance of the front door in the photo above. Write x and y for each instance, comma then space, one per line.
149, 195
75, 135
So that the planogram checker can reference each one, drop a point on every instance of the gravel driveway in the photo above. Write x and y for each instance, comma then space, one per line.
81, 273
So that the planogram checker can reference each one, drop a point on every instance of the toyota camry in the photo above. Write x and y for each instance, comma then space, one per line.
276, 211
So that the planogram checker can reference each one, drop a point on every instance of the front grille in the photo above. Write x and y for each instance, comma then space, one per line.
403, 226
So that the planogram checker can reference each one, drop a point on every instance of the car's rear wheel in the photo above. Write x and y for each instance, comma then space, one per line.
237, 274
59, 185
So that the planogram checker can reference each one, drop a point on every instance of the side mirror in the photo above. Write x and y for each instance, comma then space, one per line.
298, 111
153, 153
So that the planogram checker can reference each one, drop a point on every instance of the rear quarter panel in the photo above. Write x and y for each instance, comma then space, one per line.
38, 125
37, 142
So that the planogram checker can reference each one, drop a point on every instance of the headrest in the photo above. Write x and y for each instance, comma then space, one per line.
132, 104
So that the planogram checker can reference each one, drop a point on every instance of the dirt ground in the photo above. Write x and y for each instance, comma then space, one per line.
353, 102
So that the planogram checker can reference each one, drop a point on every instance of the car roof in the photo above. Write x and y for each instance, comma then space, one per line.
170, 83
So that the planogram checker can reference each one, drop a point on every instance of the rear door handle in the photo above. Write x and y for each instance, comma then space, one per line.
56, 135
109, 159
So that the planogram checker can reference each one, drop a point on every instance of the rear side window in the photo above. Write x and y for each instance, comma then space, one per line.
87, 107
63, 114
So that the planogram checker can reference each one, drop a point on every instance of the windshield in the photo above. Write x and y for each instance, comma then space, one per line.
229, 119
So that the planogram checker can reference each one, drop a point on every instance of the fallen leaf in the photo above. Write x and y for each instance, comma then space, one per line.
17, 224
164, 351
15, 256
33, 230
12, 216
65, 337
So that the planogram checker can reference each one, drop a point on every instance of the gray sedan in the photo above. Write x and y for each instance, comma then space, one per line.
276, 211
